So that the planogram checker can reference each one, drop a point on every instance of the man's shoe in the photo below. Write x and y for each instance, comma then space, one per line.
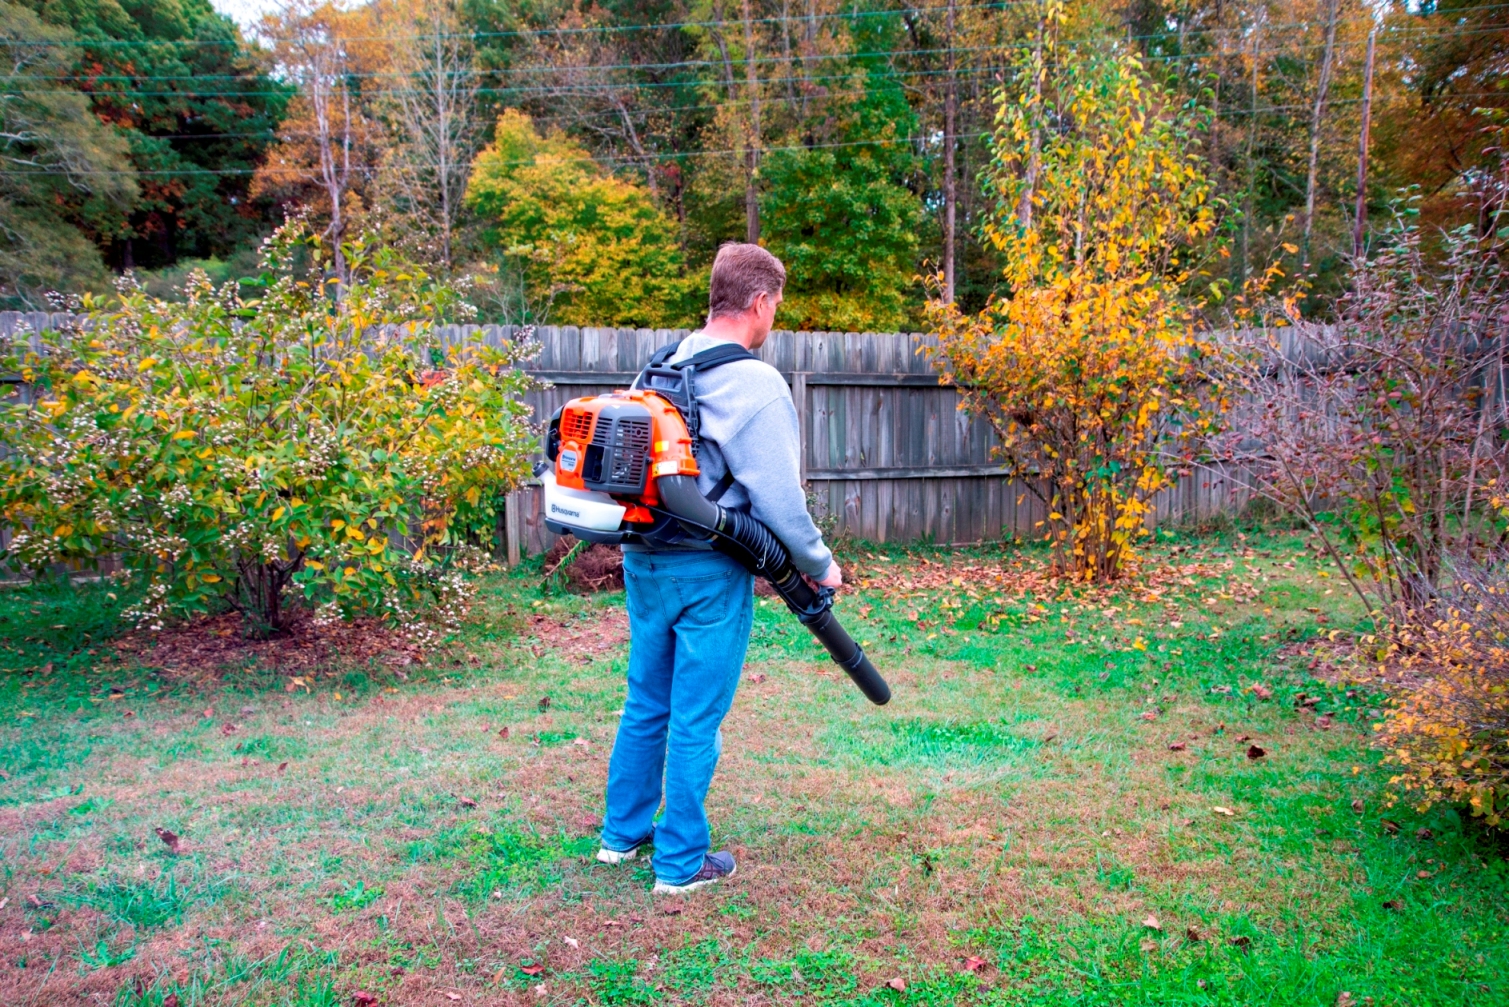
607, 856
715, 867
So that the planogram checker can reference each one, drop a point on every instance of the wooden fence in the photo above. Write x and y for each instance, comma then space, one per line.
886, 454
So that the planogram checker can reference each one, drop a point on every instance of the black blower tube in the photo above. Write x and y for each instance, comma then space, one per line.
751, 543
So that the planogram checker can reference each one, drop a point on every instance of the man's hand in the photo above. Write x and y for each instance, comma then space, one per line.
834, 577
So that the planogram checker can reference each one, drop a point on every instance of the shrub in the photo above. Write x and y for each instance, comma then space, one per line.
318, 437
1376, 428
1447, 731
1085, 367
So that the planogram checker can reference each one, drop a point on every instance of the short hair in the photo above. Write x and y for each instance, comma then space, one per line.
741, 273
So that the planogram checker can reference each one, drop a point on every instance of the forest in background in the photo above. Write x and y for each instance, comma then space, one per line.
579, 163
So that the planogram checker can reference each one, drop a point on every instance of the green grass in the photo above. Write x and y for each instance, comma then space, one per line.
1011, 807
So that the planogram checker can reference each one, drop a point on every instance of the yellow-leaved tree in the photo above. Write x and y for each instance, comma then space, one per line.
1085, 363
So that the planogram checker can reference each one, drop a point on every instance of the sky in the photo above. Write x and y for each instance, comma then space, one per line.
246, 12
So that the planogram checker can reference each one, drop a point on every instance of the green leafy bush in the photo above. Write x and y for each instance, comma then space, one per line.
317, 437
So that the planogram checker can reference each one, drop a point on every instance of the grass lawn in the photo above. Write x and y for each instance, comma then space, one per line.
1057, 807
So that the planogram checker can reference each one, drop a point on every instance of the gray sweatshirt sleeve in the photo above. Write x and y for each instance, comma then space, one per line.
763, 457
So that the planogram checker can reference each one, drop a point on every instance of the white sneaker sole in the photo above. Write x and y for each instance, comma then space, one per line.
665, 888
607, 856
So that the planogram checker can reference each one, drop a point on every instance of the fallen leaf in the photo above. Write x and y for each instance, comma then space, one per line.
171, 1000
1392, 828
467, 802
539, 990
452, 996
1223, 811
532, 969
1148, 945
1149, 715
544, 704
1240, 942
227, 728
363, 999
1262, 691
973, 963
898, 984
1344, 999
1244, 737
1193, 935
282, 766
1424, 874
572, 941
1424, 833
1358, 806
170, 840
1393, 904
1177, 746
1152, 922
674, 910
757, 678
503, 732
612, 923
1256, 751
1323, 722
209, 713
1221, 690
580, 742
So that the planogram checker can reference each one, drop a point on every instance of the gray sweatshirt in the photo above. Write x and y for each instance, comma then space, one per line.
749, 428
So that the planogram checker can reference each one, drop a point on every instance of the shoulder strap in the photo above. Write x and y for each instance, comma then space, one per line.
722, 486
665, 353
713, 356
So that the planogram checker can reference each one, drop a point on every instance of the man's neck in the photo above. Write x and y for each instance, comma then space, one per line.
730, 330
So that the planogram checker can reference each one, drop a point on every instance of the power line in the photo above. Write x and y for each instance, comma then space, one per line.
851, 15
588, 88
695, 63
636, 158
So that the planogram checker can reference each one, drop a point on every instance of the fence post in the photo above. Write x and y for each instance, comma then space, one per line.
799, 399
511, 526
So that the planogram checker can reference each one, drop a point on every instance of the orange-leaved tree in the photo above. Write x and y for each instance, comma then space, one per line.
1085, 362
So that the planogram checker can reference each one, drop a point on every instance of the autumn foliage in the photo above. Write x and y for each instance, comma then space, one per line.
317, 439
1447, 732
1084, 366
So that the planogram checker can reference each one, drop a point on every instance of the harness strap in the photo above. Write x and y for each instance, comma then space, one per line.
721, 487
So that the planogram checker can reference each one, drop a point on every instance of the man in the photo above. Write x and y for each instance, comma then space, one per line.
690, 608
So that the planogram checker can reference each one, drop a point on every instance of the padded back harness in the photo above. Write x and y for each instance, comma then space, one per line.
677, 383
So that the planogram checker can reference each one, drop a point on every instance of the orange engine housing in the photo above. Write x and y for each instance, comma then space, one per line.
620, 443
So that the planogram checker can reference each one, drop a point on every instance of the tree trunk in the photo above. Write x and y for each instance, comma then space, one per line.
950, 139
1360, 227
1029, 180
1239, 267
1316, 117
752, 147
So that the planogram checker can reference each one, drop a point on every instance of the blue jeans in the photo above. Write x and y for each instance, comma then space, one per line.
689, 620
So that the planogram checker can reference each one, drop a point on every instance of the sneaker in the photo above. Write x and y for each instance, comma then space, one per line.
607, 856
715, 867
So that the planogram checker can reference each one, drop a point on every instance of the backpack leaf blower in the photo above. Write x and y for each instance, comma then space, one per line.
623, 468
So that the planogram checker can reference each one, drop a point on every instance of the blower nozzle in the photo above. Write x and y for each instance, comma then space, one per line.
749, 541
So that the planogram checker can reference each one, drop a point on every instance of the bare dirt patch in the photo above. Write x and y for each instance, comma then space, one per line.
581, 638
214, 645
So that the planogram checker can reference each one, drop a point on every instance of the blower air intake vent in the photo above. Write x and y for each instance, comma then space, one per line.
631, 446
618, 458
576, 426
